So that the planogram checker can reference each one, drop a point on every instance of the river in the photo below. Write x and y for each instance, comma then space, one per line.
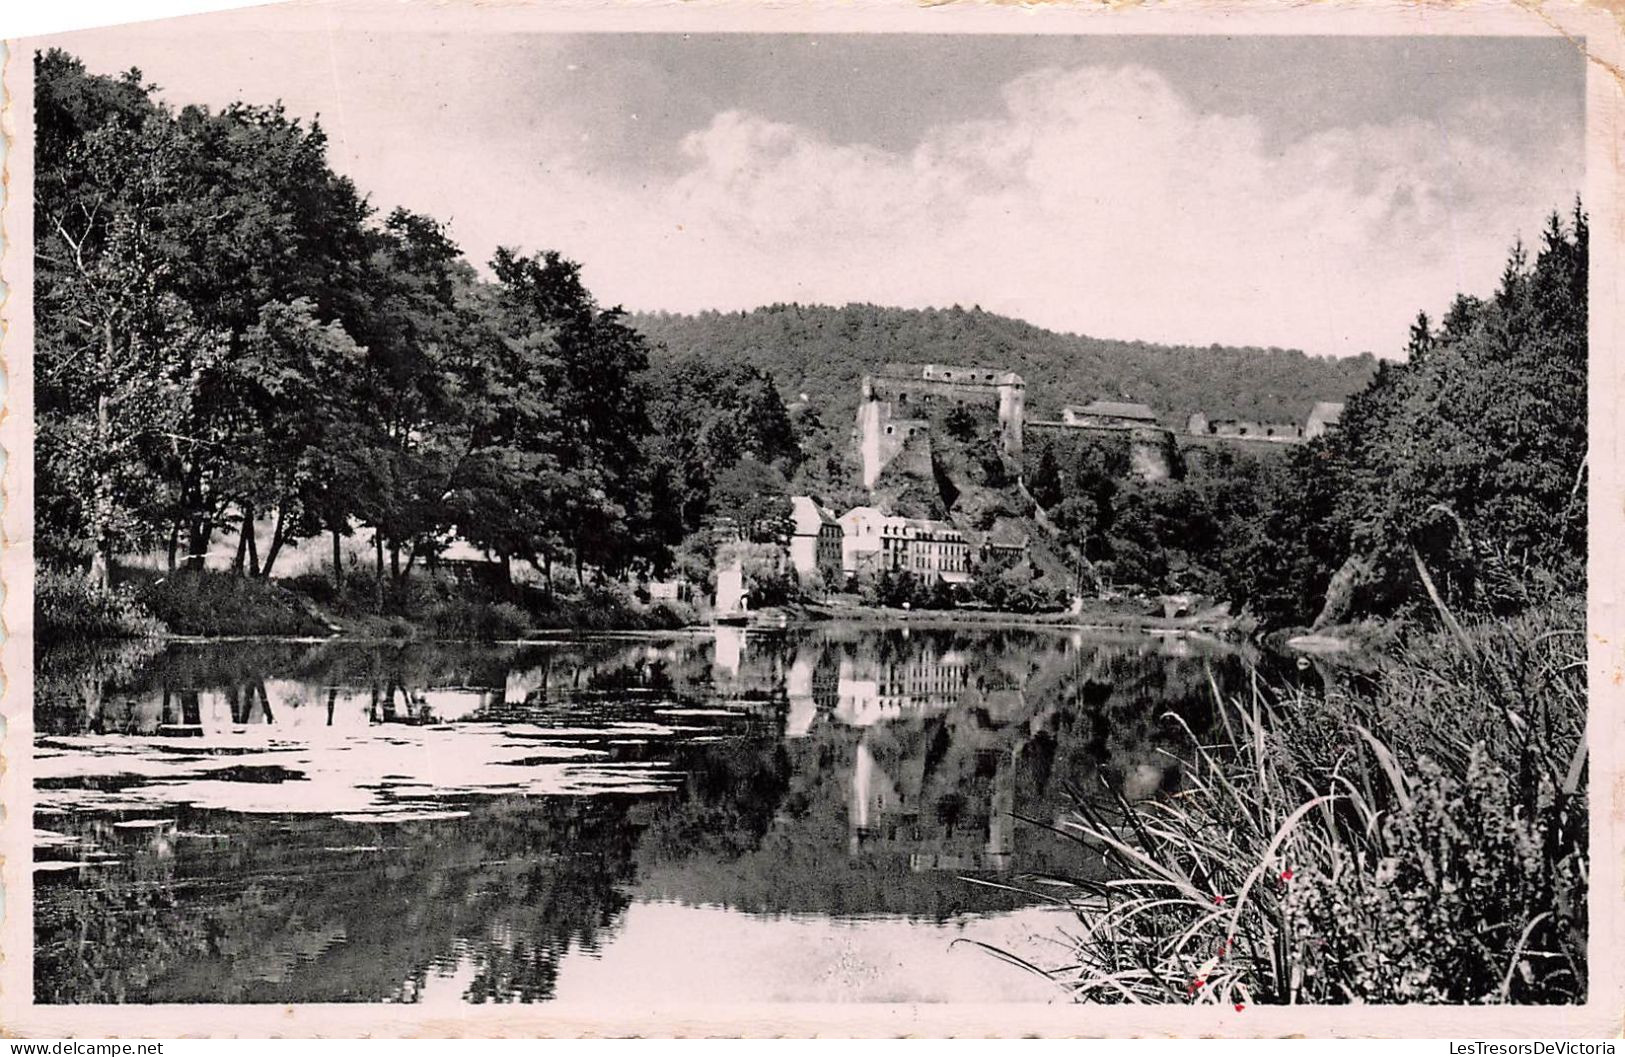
797, 816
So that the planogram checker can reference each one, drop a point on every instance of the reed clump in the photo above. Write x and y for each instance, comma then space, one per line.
1418, 835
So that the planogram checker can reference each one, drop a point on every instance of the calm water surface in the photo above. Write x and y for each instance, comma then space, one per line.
781, 817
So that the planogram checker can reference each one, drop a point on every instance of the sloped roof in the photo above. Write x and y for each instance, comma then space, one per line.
809, 516
1114, 409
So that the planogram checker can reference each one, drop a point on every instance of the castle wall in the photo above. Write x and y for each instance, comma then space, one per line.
1012, 417
894, 397
882, 436
1152, 454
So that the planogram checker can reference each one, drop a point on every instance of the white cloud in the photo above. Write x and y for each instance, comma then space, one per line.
1100, 201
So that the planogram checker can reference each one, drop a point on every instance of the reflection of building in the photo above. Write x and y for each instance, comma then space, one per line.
812, 687
875, 691
815, 541
944, 817
729, 648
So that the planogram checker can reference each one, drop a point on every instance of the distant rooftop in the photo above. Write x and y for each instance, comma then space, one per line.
1114, 409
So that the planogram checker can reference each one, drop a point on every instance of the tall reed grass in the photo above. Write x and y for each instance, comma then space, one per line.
1415, 836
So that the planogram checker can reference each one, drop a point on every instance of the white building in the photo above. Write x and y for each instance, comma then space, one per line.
873, 541
816, 538
1322, 418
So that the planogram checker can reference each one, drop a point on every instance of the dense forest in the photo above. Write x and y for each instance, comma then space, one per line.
823, 351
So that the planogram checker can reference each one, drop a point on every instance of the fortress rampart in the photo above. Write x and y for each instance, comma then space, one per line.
899, 398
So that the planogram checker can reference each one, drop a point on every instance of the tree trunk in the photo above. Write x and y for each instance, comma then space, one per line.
252, 532
101, 564
242, 540
547, 575
395, 562
1354, 573
338, 560
174, 544
102, 502
199, 535
279, 536
378, 580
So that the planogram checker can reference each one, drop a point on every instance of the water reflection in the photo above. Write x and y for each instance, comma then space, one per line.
297, 822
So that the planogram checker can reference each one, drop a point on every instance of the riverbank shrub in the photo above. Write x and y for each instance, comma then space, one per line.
459, 618
202, 602
69, 607
446, 607
1415, 836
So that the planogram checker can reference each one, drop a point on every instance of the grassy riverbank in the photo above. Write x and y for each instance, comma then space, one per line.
1094, 613
147, 604
1418, 834
141, 604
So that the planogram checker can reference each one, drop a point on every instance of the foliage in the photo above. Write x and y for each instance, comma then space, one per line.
70, 608
459, 618
755, 497
823, 351
1416, 837
1468, 459
209, 603
1015, 586
721, 434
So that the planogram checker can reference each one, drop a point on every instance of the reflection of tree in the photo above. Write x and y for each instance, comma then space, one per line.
512, 888
730, 795
72, 681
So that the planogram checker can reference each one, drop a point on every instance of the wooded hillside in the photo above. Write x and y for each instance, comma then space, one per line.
823, 351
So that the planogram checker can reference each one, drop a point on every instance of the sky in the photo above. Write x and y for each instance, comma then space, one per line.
1306, 192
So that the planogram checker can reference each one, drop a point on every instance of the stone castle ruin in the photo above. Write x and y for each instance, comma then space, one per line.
899, 400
